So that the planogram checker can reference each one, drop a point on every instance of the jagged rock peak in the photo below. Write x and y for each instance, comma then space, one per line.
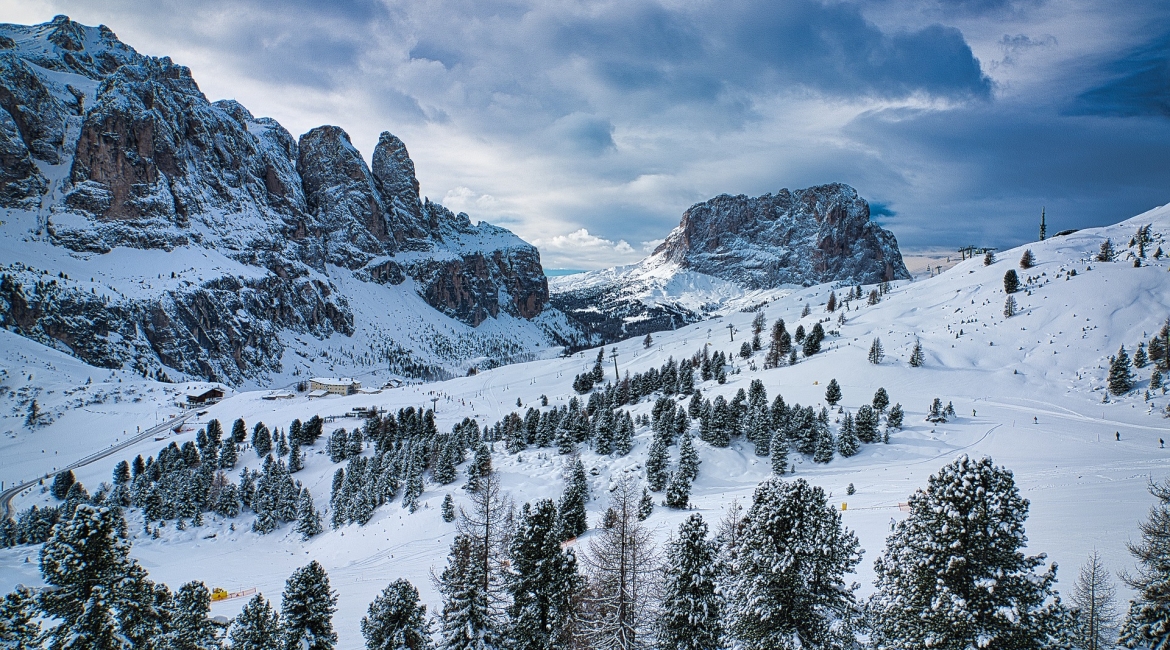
67, 46
806, 236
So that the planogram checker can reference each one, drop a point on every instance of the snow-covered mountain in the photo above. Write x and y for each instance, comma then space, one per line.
1028, 390
729, 251
273, 256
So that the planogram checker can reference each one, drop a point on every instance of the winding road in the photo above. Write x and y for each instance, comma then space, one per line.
7, 495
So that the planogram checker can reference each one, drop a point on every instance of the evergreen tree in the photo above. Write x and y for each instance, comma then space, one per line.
1105, 254
867, 424
1010, 308
481, 466
257, 627
414, 487
833, 392
780, 345
688, 458
1147, 625
623, 441
847, 441
338, 446
1139, 357
445, 472
598, 372
1011, 281
307, 608
1094, 606
239, 432
953, 574
573, 520
308, 519
1120, 375
787, 581
678, 491
296, 459
657, 465
191, 625
645, 505
466, 622
812, 342
396, 620
448, 508
542, 583
779, 451
1027, 260
894, 419
19, 629
87, 562
647, 342
917, 358
228, 456
261, 440
831, 305
876, 353
691, 613
825, 445
62, 482
988, 258
881, 399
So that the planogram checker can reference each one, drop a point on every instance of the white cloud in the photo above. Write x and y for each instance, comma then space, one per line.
581, 250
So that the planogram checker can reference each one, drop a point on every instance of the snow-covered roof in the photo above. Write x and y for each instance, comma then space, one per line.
334, 381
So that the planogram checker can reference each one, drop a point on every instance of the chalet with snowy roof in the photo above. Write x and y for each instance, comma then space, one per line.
334, 386
210, 396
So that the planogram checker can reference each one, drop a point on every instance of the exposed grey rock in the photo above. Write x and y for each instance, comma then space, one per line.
21, 183
38, 115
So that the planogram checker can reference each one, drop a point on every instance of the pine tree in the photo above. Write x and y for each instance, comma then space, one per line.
542, 583
1148, 622
787, 580
19, 629
953, 574
1027, 260
448, 508
812, 342
191, 625
825, 446
758, 324
780, 345
894, 419
881, 399
1120, 375
466, 622
645, 505
847, 441
573, 520
867, 424
678, 491
917, 358
396, 620
1010, 307
831, 306
414, 487
691, 613
338, 446
876, 353
261, 440
657, 465
1156, 380
34, 414
87, 562
1011, 281
228, 456
307, 608
257, 627
623, 441
647, 342
1094, 606
1139, 357
988, 258
308, 519
622, 570
1105, 254
688, 458
62, 482
833, 392
779, 453
481, 466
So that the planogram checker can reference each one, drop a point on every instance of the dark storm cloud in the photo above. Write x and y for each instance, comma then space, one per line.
1139, 83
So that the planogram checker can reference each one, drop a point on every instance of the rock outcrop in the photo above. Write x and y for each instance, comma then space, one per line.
147, 162
726, 248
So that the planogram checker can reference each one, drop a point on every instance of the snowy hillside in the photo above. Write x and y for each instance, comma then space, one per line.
1028, 390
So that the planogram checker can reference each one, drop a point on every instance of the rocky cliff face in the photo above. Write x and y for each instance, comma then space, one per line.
106, 150
726, 248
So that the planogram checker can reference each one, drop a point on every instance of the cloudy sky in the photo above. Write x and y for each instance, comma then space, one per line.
588, 127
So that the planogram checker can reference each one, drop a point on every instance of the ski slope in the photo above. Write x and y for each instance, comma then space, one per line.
1028, 391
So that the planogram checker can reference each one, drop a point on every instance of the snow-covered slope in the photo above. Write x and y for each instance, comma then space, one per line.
115, 167
1028, 391
729, 251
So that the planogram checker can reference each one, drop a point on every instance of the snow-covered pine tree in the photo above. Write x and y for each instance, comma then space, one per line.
622, 569
228, 455
448, 508
657, 465
917, 357
19, 627
191, 624
678, 491
257, 627
481, 466
812, 342
691, 614
780, 345
779, 453
881, 399
1139, 356
787, 580
542, 583
1094, 604
1010, 307
308, 519
833, 392
825, 445
831, 305
306, 611
239, 432
87, 563
572, 519
647, 342
1120, 374
261, 440
988, 258
1011, 281
1105, 254
338, 446
876, 352
467, 621
1147, 625
413, 488
847, 441
894, 419
623, 440
1027, 260
62, 482
867, 424
645, 505
688, 458
953, 574
396, 620
488, 523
